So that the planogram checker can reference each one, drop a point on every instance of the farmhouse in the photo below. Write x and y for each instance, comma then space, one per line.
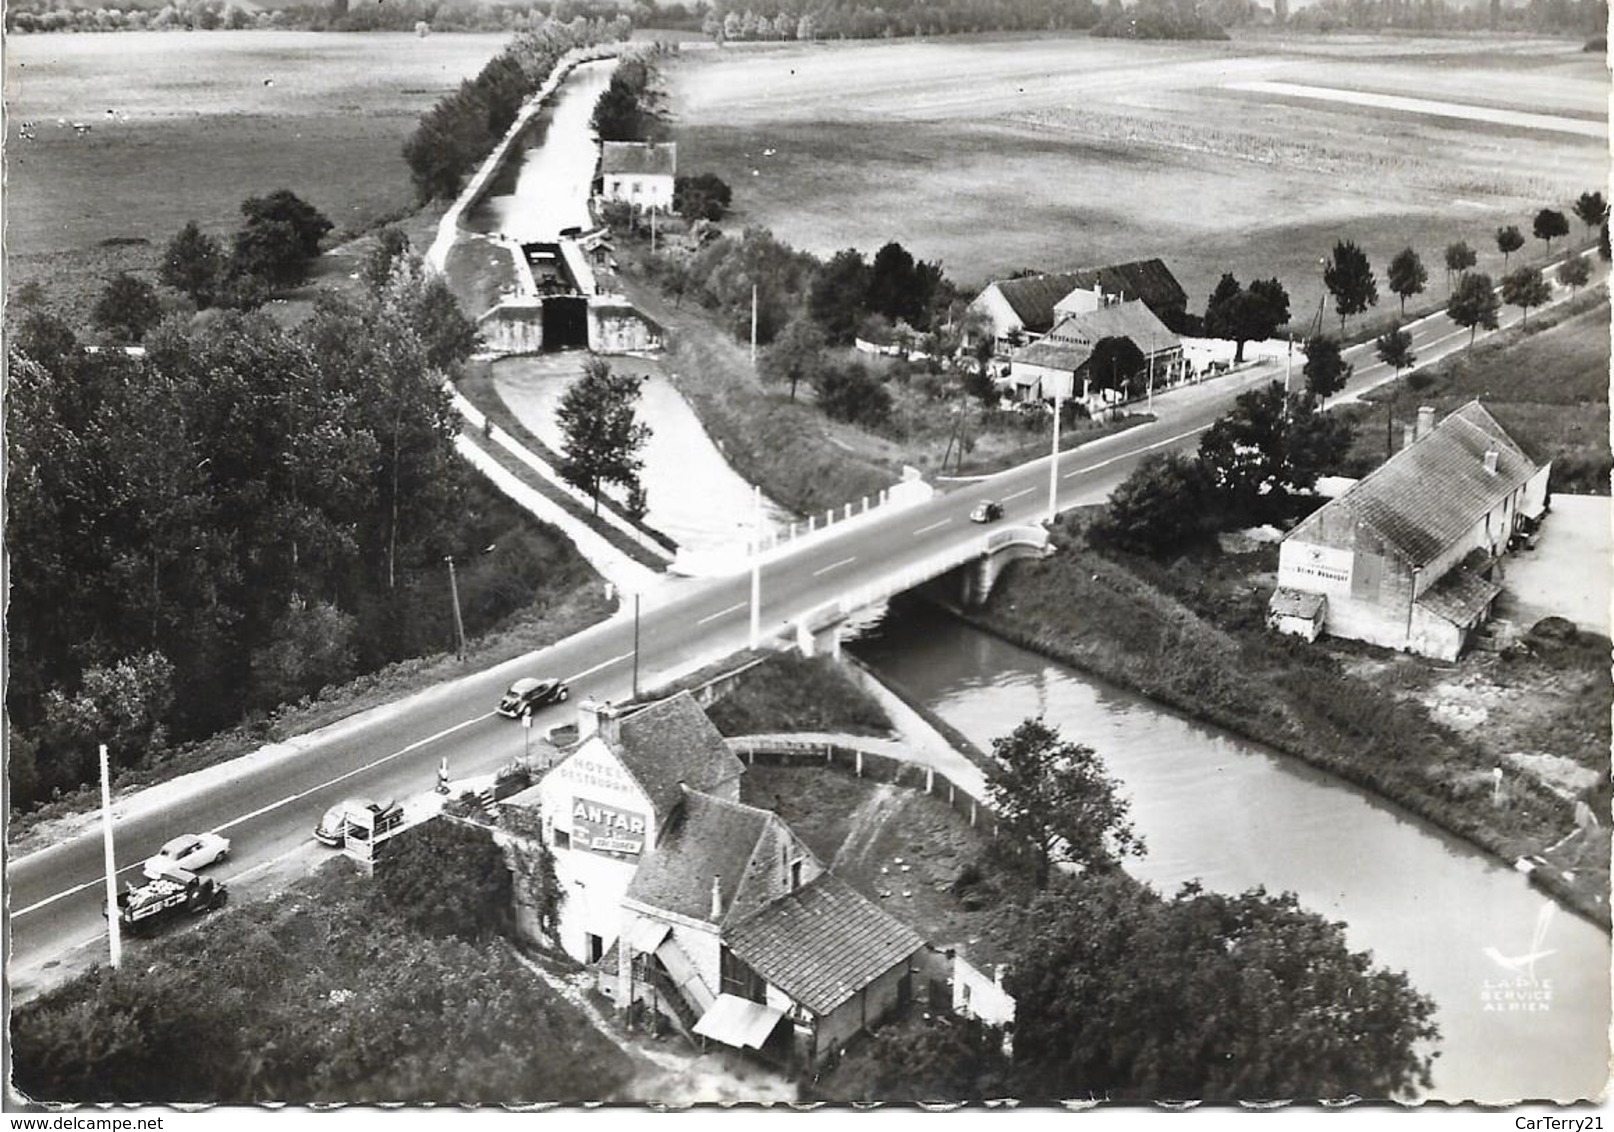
1020, 310
1408, 558
1059, 364
640, 173
709, 911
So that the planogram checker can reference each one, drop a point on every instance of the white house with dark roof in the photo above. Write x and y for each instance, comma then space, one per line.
1019, 311
1407, 558
705, 908
640, 173
1059, 363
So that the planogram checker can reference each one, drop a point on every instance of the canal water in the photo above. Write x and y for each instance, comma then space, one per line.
543, 186
1234, 815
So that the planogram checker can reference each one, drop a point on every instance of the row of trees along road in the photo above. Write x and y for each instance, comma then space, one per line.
238, 518
1124, 994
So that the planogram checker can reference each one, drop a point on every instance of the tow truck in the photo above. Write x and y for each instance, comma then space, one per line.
176, 893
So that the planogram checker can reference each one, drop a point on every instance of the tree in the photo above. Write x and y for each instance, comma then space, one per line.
1508, 240
839, 295
1349, 278
1395, 348
1269, 444
446, 879
1326, 371
1162, 508
1549, 225
1525, 288
1057, 801
285, 207
1574, 273
1592, 210
423, 302
1474, 304
127, 308
892, 287
796, 355
1407, 276
1125, 995
1246, 315
268, 252
311, 648
943, 1059
391, 245
850, 393
1459, 258
193, 264
602, 438
705, 196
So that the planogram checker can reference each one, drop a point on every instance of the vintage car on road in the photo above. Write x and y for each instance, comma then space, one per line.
987, 511
528, 695
188, 852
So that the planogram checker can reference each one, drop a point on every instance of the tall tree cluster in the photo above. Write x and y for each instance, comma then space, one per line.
236, 518
859, 19
630, 109
456, 134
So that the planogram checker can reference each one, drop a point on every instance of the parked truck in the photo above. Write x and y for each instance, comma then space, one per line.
174, 895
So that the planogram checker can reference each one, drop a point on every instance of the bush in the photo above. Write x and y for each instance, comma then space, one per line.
850, 393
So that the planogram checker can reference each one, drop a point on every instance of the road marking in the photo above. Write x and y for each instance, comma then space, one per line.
1018, 494
1136, 451
735, 608
932, 527
597, 667
834, 565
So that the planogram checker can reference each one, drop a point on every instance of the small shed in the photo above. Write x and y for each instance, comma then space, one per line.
1297, 612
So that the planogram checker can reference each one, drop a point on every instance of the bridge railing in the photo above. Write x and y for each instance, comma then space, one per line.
870, 764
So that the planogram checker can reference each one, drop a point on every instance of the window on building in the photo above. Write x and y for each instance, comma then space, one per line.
795, 875
563, 839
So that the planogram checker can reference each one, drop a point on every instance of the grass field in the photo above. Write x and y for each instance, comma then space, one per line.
1548, 387
184, 126
1060, 152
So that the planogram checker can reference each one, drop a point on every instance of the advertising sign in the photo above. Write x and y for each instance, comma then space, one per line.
606, 829
1316, 569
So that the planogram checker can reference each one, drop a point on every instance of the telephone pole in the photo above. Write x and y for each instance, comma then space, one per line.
112, 925
459, 623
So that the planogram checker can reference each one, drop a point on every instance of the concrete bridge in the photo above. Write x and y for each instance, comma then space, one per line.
964, 572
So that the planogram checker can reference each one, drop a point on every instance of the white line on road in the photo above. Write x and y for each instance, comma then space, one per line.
833, 565
602, 664
1136, 451
735, 608
1018, 494
932, 527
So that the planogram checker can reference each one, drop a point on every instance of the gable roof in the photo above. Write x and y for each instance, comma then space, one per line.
822, 943
1431, 493
744, 847
1053, 355
639, 157
669, 743
1033, 297
1132, 319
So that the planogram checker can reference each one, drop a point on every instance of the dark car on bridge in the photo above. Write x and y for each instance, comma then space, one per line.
987, 511
528, 695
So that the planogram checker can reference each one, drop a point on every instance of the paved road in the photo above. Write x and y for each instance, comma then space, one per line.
268, 802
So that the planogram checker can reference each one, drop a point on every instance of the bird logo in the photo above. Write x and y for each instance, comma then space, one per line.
1525, 965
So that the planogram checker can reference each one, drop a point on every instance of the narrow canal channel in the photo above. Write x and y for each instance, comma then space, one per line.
1235, 815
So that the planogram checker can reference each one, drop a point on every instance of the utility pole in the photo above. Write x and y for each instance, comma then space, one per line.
753, 324
1053, 468
756, 570
112, 925
636, 645
459, 624
652, 230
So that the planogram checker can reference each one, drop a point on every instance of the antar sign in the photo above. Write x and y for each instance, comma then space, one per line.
604, 829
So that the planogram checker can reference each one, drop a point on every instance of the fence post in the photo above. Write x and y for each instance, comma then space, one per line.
930, 779
865, 505
848, 514
972, 813
811, 521
829, 516
860, 762
951, 793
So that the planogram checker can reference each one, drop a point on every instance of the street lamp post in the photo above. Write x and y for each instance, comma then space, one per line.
1053, 467
756, 568
112, 924
636, 645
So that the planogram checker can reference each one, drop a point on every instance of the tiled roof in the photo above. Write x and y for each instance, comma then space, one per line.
639, 157
673, 742
1033, 297
747, 849
1431, 493
1459, 597
1131, 320
1053, 355
822, 943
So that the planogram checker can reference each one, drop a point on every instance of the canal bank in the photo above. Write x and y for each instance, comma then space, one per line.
1235, 815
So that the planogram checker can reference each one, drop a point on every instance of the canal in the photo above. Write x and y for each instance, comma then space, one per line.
1234, 815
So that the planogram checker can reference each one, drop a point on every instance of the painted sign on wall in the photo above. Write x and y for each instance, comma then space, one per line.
606, 829
1316, 569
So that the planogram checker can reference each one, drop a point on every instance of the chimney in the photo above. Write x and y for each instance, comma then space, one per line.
1490, 461
1426, 421
1408, 434
717, 897
597, 716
